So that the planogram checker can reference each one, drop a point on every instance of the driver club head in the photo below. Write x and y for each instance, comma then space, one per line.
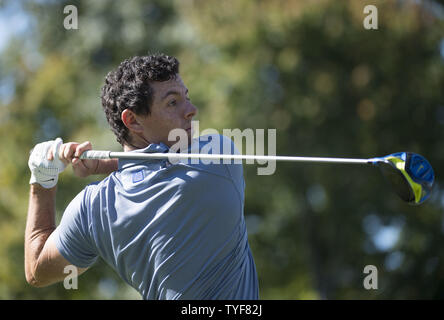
410, 175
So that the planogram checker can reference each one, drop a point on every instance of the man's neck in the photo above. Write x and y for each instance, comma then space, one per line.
137, 142
127, 147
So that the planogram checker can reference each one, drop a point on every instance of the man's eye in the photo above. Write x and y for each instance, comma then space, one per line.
172, 103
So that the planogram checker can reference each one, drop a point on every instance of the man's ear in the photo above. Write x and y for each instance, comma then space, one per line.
130, 121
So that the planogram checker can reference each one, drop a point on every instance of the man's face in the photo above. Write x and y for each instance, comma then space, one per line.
171, 109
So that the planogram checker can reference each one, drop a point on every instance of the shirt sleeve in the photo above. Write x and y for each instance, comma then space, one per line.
72, 238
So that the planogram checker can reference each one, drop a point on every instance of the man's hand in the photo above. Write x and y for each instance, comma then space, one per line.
70, 152
45, 169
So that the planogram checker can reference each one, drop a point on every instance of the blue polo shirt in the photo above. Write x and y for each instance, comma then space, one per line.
171, 231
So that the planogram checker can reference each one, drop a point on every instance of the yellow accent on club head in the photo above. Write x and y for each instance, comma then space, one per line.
416, 187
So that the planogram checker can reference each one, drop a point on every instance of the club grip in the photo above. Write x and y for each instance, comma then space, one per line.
95, 154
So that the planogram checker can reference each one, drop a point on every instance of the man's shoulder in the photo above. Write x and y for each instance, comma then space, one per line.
94, 188
217, 144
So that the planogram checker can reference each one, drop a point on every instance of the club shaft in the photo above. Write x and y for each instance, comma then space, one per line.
94, 154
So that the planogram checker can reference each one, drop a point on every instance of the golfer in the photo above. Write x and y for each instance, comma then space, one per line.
170, 230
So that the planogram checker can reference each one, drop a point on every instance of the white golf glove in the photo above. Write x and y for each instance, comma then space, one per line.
43, 171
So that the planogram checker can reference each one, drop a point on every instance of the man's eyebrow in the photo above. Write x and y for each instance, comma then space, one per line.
172, 91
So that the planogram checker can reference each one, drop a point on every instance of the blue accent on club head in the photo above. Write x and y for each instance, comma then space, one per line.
420, 169
417, 168
400, 155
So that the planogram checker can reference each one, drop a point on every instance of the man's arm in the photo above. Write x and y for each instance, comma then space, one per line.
44, 265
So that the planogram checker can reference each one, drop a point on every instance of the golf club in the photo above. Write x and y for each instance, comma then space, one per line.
410, 175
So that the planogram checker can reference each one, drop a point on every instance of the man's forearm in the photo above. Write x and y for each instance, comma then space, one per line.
40, 224
107, 166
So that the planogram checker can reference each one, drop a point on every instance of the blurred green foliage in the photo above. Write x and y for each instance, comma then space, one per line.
308, 69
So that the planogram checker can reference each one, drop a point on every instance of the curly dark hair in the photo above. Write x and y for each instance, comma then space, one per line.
128, 87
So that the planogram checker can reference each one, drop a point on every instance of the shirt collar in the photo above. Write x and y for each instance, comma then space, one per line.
152, 148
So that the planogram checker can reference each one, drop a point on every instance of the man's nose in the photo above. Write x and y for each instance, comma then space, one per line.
191, 111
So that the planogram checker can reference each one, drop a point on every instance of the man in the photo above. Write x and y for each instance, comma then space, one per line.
171, 231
